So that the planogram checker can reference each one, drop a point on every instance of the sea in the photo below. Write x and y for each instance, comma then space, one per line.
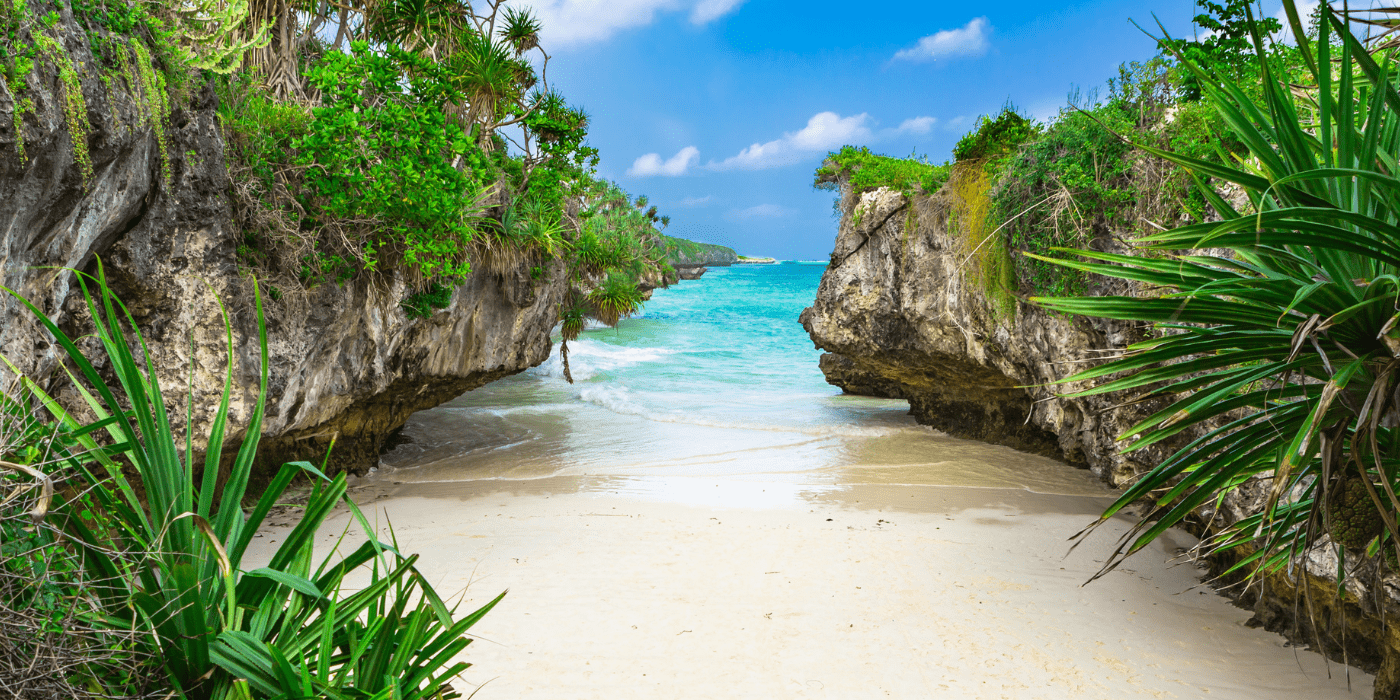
711, 395
700, 515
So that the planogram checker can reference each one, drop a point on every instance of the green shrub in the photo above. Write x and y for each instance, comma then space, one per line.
866, 171
377, 150
1062, 186
422, 304
259, 132
994, 137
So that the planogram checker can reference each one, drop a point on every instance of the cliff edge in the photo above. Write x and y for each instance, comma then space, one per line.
904, 316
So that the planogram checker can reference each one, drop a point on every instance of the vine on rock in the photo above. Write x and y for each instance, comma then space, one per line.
152, 101
74, 106
16, 62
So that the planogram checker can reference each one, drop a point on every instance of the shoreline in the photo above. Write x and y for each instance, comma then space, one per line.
864, 590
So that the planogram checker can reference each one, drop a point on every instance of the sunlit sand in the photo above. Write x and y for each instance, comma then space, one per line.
873, 582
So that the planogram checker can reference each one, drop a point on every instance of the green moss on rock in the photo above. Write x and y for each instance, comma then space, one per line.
1354, 518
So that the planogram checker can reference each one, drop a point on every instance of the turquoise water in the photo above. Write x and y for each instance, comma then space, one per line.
714, 382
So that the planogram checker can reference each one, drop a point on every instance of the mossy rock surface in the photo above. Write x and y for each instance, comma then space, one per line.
1354, 517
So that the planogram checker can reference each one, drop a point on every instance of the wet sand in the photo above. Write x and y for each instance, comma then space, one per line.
735, 586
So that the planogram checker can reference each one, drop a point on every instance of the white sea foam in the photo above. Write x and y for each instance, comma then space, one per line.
619, 399
589, 357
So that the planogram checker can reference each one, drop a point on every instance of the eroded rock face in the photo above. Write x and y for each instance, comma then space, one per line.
903, 316
345, 361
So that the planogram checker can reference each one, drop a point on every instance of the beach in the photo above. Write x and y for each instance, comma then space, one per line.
680, 524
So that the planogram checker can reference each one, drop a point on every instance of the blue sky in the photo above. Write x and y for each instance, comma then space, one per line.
720, 110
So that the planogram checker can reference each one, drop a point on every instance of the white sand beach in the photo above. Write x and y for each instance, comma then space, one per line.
622, 588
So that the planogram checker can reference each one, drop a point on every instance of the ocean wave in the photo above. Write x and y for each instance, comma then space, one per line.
589, 357
619, 399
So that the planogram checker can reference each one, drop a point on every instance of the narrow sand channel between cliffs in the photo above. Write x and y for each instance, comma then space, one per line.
701, 516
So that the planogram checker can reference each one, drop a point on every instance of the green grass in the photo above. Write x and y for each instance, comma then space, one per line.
866, 171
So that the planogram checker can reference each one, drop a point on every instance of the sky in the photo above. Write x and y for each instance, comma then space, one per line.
720, 111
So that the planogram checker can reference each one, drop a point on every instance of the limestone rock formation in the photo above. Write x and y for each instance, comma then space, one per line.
346, 361
901, 310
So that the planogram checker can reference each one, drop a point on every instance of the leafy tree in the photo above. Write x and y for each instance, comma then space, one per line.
1227, 51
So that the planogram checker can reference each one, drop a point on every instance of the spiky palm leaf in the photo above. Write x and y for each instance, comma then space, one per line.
490, 77
1279, 358
521, 30
617, 297
168, 562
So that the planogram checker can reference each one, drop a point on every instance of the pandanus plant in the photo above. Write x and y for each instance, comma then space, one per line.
1279, 357
166, 545
615, 298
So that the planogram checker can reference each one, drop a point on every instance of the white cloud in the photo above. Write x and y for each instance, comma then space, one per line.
971, 40
651, 163
824, 132
762, 211
575, 22
916, 125
695, 201
707, 11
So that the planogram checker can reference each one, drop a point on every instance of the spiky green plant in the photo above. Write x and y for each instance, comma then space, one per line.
167, 560
615, 298
1280, 359
489, 75
521, 30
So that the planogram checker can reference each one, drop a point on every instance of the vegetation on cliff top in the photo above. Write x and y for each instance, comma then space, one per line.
1018, 188
864, 171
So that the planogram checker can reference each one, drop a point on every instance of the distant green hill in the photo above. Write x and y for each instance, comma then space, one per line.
683, 253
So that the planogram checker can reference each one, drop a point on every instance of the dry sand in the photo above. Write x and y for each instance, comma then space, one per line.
727, 587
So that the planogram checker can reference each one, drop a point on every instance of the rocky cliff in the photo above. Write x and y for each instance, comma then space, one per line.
347, 362
901, 314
